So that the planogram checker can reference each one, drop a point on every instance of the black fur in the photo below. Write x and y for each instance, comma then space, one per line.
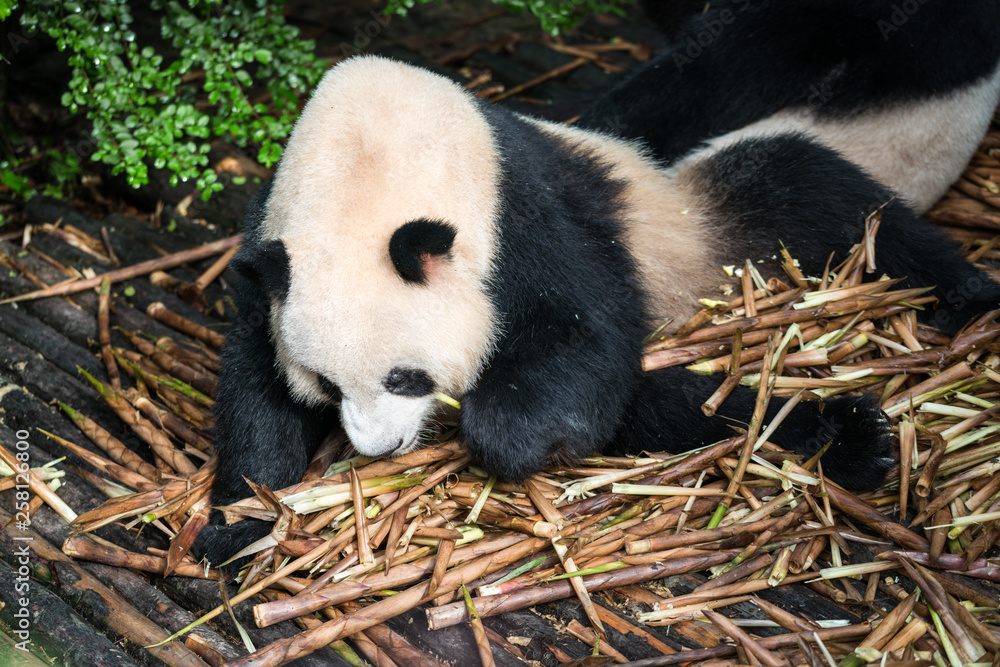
408, 382
264, 263
744, 60
330, 388
670, 15
665, 415
570, 304
793, 190
414, 241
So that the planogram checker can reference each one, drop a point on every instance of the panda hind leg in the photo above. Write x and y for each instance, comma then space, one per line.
792, 189
666, 415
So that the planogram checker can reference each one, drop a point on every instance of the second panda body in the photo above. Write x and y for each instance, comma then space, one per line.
416, 240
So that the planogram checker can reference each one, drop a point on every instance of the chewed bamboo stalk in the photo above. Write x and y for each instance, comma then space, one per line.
37, 486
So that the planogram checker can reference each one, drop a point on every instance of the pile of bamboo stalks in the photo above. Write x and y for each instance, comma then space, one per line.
360, 541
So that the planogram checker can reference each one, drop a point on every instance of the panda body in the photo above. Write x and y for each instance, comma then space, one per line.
416, 240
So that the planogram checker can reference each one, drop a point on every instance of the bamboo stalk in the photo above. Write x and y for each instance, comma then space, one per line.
482, 641
161, 313
144, 429
552, 515
492, 605
38, 487
112, 446
746, 641
104, 334
127, 273
120, 473
288, 649
588, 637
344, 591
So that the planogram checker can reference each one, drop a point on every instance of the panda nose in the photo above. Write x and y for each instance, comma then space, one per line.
408, 382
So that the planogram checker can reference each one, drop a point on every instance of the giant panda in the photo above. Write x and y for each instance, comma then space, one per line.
417, 240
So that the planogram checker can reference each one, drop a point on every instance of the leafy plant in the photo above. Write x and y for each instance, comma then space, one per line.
554, 15
164, 104
18, 184
228, 69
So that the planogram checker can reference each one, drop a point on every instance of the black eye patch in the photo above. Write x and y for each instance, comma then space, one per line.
329, 388
408, 382
415, 241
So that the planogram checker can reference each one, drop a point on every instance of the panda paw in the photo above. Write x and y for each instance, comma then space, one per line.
860, 454
218, 542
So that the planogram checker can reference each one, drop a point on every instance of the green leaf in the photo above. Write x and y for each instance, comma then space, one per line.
18, 184
139, 106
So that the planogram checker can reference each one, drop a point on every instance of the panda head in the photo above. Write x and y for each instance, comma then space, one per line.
384, 206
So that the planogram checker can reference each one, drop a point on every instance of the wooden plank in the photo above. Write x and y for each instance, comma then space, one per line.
50, 625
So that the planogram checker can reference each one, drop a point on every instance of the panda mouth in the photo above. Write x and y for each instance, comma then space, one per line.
388, 427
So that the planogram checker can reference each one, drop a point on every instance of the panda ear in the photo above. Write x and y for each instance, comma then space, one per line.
266, 264
415, 246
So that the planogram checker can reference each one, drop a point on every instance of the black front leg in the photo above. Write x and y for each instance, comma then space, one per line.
552, 395
262, 432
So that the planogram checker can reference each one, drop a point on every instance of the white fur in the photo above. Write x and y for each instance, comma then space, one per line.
385, 424
381, 144
915, 149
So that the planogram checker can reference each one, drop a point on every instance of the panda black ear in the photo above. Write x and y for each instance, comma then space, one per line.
416, 244
266, 264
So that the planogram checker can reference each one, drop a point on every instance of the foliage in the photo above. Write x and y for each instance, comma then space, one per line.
18, 184
554, 15
228, 69
164, 103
